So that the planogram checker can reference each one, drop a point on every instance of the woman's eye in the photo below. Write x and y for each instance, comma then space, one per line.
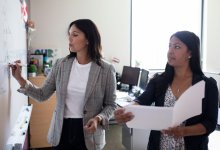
177, 47
73, 35
174, 46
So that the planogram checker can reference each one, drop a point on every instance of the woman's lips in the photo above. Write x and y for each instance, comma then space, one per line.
171, 58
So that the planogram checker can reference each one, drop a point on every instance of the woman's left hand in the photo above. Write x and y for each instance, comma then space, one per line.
174, 131
91, 125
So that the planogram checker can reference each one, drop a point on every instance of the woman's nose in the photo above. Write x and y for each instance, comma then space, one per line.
70, 39
171, 49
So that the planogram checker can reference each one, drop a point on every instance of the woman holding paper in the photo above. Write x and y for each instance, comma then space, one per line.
182, 71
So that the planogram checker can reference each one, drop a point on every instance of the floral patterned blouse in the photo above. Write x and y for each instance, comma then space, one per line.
169, 142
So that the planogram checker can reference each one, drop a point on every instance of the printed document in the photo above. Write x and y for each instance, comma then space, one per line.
188, 105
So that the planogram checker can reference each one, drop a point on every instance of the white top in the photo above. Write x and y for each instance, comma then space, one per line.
76, 90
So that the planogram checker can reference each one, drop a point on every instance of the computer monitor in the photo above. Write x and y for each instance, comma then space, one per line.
143, 79
130, 76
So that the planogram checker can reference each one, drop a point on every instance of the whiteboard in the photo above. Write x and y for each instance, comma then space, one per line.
12, 47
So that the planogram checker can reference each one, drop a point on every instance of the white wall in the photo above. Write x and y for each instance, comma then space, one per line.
112, 17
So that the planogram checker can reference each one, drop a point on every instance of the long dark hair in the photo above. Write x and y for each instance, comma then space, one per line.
192, 42
94, 39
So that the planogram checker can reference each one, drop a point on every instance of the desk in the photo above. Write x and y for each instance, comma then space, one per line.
123, 98
132, 139
41, 117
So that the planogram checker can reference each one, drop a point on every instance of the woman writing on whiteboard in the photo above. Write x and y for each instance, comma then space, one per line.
182, 71
85, 90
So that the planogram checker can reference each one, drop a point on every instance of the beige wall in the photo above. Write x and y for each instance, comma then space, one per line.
112, 17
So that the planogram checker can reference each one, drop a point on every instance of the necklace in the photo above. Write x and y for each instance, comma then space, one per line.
178, 90
180, 86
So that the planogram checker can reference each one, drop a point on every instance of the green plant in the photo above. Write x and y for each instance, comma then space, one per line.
32, 68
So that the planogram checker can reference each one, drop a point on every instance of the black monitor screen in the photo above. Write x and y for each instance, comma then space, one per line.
143, 79
130, 75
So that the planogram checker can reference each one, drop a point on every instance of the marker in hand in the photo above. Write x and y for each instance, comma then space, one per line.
20, 64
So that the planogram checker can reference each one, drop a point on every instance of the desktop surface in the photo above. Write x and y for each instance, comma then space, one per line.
124, 98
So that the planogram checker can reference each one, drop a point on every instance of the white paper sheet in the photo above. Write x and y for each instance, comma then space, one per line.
188, 105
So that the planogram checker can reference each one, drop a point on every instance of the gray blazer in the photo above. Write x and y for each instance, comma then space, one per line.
99, 99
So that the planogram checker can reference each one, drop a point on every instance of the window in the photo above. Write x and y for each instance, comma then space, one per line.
154, 21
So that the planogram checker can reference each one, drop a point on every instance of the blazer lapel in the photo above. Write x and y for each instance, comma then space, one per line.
65, 69
93, 76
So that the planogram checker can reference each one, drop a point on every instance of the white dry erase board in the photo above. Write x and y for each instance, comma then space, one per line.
12, 47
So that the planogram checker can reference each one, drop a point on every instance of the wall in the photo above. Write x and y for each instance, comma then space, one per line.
112, 17
12, 47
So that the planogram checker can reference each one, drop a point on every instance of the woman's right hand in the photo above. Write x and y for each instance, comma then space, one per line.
121, 116
16, 72
16, 69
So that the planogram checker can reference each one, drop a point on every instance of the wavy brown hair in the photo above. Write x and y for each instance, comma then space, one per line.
94, 39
